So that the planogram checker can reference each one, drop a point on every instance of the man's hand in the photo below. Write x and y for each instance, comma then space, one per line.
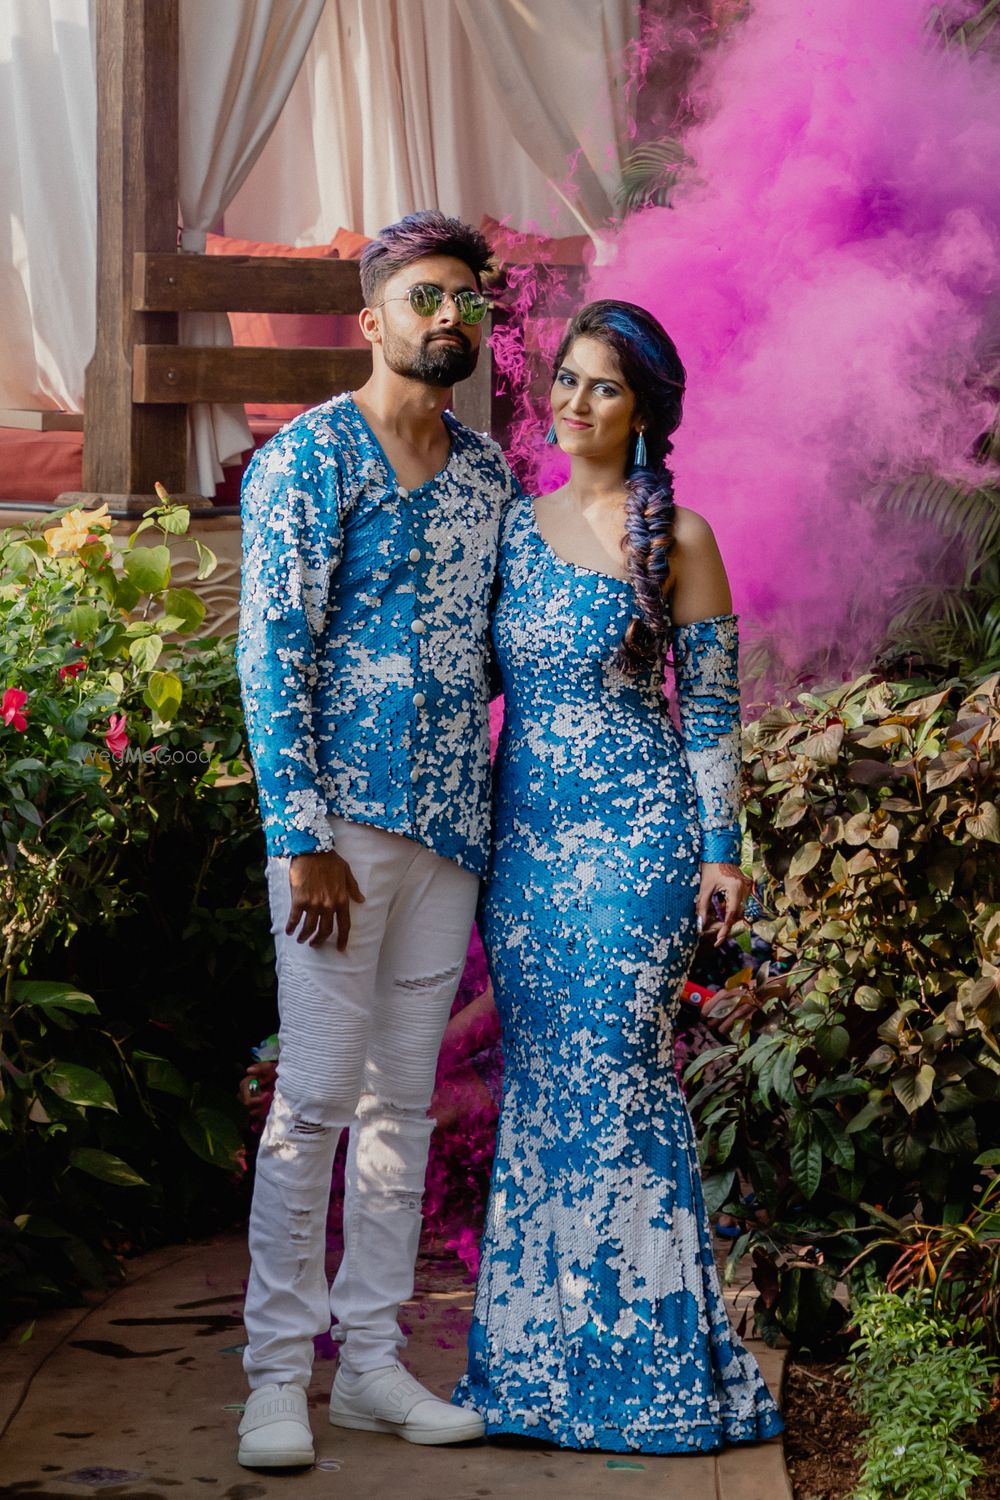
322, 889
729, 882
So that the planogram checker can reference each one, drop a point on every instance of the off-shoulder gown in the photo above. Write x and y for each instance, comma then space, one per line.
599, 1320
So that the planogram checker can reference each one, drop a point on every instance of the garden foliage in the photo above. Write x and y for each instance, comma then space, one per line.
922, 1383
133, 941
869, 1083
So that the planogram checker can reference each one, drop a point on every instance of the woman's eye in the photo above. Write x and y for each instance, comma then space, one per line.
565, 379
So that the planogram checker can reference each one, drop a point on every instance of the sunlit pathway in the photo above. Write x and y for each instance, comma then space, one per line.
138, 1398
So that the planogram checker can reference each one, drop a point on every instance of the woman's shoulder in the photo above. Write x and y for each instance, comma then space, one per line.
691, 528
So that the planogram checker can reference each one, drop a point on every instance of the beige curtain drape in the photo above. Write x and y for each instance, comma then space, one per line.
48, 202
513, 108
238, 61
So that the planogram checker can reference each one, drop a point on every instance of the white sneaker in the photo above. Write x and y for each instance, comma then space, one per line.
274, 1430
390, 1400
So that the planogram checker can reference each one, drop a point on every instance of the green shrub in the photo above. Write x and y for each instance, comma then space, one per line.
920, 1388
870, 1079
134, 945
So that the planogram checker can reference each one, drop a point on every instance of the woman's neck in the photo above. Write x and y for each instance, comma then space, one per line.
595, 482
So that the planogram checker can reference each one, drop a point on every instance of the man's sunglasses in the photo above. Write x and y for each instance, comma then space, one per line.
426, 299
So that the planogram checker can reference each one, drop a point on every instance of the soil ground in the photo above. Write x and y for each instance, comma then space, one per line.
824, 1432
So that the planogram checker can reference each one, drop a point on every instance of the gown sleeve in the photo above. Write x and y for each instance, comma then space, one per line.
706, 672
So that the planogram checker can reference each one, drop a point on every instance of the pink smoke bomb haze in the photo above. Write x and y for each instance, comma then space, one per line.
828, 273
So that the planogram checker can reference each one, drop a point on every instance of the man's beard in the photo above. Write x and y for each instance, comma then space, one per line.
432, 362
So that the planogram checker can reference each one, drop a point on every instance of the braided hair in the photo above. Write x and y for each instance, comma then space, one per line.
652, 370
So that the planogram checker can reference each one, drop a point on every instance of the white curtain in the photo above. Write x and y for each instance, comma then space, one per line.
48, 202
238, 61
513, 108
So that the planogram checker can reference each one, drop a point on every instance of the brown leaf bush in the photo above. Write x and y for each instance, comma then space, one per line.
867, 1084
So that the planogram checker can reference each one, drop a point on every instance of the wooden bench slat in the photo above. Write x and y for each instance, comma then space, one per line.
169, 373
244, 283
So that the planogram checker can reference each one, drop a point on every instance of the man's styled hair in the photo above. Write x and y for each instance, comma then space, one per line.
418, 235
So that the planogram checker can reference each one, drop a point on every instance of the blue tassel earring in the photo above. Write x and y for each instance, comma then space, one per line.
639, 462
550, 436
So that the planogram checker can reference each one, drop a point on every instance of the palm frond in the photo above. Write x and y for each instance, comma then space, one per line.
970, 34
971, 512
650, 173
957, 628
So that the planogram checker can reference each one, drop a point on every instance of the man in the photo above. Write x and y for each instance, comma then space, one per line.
370, 535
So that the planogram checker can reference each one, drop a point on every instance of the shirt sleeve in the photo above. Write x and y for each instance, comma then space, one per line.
292, 544
706, 673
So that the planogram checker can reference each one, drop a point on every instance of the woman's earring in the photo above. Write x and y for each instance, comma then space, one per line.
640, 450
550, 436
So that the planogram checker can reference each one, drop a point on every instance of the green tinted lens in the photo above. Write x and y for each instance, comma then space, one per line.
471, 306
425, 299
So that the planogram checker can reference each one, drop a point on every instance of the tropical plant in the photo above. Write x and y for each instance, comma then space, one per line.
650, 174
957, 1264
922, 1382
128, 823
871, 1074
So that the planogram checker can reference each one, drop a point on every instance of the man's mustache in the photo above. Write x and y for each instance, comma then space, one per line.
431, 338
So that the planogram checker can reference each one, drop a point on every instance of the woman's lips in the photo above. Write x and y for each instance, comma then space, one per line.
572, 422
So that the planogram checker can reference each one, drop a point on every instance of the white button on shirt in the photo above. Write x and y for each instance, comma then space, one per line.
418, 627
403, 494
415, 774
414, 554
419, 700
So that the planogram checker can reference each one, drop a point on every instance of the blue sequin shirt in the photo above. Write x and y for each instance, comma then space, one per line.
363, 643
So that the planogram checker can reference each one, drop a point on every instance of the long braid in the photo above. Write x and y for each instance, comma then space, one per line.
649, 537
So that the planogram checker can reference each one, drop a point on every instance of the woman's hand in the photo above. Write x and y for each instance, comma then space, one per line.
257, 1088
729, 882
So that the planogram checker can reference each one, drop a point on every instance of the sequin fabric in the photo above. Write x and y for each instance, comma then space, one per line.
363, 638
599, 1320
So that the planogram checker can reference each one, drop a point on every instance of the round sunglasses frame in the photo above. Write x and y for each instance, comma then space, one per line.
466, 302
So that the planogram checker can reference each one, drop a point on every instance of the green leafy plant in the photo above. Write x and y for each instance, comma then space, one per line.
957, 1264
132, 944
921, 1387
869, 1078
651, 172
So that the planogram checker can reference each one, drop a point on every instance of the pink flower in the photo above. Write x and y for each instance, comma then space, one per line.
116, 739
72, 669
13, 708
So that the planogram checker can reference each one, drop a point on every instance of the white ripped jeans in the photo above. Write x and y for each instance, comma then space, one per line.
360, 1033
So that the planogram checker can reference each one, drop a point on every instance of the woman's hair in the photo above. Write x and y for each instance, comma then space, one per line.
418, 235
652, 370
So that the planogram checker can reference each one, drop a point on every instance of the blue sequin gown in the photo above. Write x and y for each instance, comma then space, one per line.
598, 1320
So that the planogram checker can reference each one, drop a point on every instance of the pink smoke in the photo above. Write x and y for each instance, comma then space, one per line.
827, 273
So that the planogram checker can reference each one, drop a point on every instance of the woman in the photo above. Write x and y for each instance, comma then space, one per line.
599, 1321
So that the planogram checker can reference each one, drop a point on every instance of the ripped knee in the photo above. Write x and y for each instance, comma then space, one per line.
435, 981
293, 1125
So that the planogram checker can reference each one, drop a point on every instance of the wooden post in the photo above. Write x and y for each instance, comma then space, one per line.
126, 447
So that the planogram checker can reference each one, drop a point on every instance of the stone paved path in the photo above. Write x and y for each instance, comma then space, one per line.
137, 1398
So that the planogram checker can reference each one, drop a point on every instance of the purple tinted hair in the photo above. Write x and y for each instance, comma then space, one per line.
418, 235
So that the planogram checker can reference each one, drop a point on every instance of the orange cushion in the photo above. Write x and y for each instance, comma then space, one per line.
516, 248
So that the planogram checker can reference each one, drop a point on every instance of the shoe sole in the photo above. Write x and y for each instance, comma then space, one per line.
398, 1429
292, 1458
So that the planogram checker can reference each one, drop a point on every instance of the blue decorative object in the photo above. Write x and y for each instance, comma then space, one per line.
599, 1321
550, 436
640, 450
